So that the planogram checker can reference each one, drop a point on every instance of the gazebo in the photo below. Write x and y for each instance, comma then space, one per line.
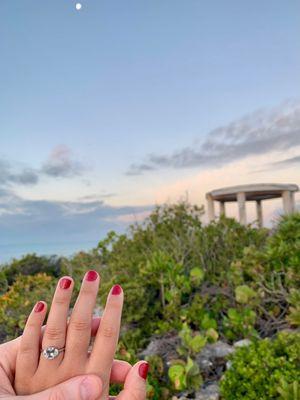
253, 192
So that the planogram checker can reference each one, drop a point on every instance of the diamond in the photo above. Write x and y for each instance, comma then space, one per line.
50, 352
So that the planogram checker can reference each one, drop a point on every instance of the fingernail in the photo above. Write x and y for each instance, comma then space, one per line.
91, 276
116, 290
39, 306
90, 388
65, 283
143, 370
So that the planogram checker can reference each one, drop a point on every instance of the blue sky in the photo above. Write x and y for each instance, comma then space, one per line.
119, 103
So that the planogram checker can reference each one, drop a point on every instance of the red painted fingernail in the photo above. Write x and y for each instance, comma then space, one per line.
39, 306
91, 276
143, 370
116, 290
65, 283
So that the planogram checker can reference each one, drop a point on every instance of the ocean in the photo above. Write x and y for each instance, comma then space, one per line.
16, 250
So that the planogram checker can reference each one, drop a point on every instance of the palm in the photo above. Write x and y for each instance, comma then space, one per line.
8, 354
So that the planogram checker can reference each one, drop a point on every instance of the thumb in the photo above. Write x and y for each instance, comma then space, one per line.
88, 387
135, 383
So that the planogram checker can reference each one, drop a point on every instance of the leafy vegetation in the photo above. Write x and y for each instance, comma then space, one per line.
200, 282
267, 369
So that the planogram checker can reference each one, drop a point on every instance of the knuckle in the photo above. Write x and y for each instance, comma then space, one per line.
107, 330
53, 333
30, 325
87, 291
80, 325
60, 300
26, 348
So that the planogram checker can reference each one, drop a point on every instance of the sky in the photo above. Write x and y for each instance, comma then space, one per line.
123, 105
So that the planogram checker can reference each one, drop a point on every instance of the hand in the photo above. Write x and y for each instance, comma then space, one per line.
80, 388
35, 373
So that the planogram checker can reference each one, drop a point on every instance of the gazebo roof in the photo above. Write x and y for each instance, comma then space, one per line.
257, 191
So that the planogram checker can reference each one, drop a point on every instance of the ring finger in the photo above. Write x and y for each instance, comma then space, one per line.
55, 331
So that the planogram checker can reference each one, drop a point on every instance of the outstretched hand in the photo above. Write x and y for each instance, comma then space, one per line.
86, 385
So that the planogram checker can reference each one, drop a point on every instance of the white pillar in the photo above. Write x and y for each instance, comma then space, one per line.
222, 208
293, 206
259, 213
287, 202
210, 207
241, 198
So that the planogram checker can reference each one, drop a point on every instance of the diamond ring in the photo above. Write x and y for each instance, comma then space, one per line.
51, 352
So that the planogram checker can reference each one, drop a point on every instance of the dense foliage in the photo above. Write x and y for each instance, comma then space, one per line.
265, 370
203, 282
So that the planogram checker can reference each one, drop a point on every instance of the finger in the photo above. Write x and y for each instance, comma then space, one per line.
29, 349
95, 325
14, 345
80, 323
87, 387
106, 340
55, 331
135, 383
119, 371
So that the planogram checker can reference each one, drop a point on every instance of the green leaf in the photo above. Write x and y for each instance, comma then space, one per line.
212, 335
243, 294
197, 343
196, 275
177, 376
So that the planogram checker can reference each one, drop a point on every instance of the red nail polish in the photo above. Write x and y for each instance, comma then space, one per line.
91, 276
116, 290
143, 370
65, 283
39, 306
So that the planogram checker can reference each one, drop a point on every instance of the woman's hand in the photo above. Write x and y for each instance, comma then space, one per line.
35, 373
87, 387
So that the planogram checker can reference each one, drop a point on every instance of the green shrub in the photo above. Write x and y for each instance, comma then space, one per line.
257, 371
32, 264
17, 302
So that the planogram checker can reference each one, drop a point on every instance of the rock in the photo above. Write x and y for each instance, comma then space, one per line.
163, 346
210, 392
212, 359
242, 343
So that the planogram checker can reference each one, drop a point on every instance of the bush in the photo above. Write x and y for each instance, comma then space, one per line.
32, 264
264, 369
17, 302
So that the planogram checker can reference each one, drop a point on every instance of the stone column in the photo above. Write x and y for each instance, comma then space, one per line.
287, 202
241, 198
222, 208
210, 207
293, 206
259, 213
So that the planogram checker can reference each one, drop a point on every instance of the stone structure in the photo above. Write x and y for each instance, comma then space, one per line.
253, 192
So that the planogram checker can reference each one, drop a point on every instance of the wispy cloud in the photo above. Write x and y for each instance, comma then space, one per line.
287, 162
39, 221
8, 175
60, 164
261, 132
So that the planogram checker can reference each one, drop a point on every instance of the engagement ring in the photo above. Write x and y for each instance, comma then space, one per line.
51, 352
